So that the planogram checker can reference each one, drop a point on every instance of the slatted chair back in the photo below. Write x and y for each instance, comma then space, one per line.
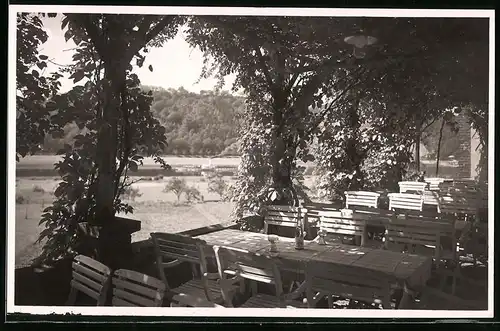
242, 264
410, 231
284, 216
174, 249
361, 198
413, 187
349, 282
314, 208
434, 183
333, 222
131, 288
90, 277
405, 201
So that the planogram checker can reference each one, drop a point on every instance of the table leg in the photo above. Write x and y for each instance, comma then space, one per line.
364, 236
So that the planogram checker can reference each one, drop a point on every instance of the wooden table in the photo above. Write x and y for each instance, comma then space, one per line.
408, 270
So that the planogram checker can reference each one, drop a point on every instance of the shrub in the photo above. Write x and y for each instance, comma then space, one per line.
192, 193
131, 193
20, 199
218, 185
38, 189
177, 186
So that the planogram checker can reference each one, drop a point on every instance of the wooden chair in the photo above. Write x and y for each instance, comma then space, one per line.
335, 223
422, 235
131, 288
406, 201
324, 279
314, 208
284, 216
90, 277
361, 198
174, 249
236, 265
408, 186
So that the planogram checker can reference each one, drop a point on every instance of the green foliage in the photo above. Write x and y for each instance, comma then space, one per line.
34, 89
38, 189
130, 193
192, 194
217, 184
20, 199
177, 186
204, 123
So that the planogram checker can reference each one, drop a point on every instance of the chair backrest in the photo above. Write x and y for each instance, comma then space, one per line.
334, 222
361, 198
407, 186
131, 288
350, 282
90, 277
434, 183
285, 216
409, 230
314, 208
174, 249
405, 201
246, 265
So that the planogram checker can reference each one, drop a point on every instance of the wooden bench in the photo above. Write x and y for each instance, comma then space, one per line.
131, 288
90, 277
347, 282
284, 216
361, 198
405, 201
174, 249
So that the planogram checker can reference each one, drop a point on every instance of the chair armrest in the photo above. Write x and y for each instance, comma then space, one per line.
297, 293
192, 301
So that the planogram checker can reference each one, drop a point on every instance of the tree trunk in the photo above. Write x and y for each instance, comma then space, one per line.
417, 151
439, 146
355, 158
107, 146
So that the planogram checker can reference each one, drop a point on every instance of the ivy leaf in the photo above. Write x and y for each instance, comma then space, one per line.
77, 76
150, 68
68, 35
43, 57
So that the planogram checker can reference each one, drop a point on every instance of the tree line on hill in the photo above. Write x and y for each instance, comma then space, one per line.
204, 123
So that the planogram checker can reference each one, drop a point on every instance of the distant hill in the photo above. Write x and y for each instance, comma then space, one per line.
205, 123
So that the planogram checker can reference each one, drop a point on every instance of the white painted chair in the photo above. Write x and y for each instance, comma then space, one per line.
407, 186
406, 201
361, 198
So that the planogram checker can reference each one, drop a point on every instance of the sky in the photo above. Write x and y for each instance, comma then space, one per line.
175, 64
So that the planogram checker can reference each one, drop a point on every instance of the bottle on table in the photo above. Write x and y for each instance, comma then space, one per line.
299, 235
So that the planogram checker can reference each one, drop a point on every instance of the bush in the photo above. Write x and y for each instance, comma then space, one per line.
218, 185
20, 199
192, 193
131, 193
38, 189
177, 186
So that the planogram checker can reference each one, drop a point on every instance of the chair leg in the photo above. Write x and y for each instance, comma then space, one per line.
72, 297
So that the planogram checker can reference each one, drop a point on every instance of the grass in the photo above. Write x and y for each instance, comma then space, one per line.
157, 211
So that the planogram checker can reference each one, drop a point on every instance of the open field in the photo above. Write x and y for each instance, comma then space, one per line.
157, 210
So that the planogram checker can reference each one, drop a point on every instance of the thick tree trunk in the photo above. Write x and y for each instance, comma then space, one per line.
110, 237
355, 159
417, 151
